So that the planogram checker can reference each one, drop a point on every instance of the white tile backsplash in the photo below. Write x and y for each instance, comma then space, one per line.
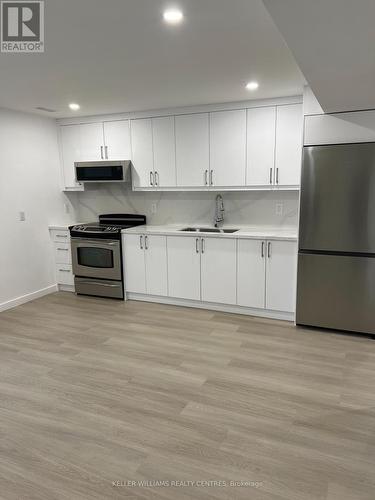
246, 208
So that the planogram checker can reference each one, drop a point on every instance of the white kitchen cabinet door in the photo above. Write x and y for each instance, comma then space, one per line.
164, 151
288, 154
261, 130
281, 271
192, 149
70, 152
142, 152
228, 148
63, 253
156, 264
92, 143
117, 140
219, 270
134, 263
184, 267
251, 273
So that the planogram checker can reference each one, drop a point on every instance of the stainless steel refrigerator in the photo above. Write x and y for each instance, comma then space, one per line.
336, 259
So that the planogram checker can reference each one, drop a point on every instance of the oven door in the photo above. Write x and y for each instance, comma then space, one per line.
96, 258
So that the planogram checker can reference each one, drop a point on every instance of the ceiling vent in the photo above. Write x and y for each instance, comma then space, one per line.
48, 110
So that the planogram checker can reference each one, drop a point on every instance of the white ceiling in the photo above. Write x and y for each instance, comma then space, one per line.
333, 42
118, 55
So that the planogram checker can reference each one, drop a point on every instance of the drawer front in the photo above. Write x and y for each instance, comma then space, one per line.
60, 236
63, 253
64, 274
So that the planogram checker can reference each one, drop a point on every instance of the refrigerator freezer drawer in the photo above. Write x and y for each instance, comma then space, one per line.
336, 292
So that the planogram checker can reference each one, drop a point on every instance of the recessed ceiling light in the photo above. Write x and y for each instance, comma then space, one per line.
252, 85
173, 16
74, 107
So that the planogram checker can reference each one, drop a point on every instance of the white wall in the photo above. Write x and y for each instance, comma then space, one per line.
29, 181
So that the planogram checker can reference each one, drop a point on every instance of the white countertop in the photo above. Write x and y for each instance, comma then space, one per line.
255, 232
62, 227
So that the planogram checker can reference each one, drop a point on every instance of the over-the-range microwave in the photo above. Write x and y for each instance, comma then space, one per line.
103, 171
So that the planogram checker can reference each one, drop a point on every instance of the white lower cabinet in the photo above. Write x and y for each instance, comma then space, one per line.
63, 258
256, 274
266, 276
251, 276
145, 264
184, 267
134, 263
156, 264
218, 270
281, 275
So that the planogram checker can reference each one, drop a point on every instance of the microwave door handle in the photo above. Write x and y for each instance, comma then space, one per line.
101, 152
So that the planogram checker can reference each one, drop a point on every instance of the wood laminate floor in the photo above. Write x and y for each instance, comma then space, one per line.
95, 393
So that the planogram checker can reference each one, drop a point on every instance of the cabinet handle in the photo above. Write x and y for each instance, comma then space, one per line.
262, 250
211, 177
277, 175
271, 175
61, 235
101, 152
64, 270
151, 178
63, 249
197, 245
203, 245
106, 152
146, 242
156, 178
206, 177
269, 250
141, 242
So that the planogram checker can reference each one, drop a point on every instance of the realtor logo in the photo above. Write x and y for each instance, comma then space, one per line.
22, 26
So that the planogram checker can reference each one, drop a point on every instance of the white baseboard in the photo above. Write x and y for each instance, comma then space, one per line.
27, 298
66, 288
249, 311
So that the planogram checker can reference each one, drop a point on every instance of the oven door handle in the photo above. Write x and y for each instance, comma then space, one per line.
100, 284
88, 241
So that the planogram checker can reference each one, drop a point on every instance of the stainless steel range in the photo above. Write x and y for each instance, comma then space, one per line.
97, 254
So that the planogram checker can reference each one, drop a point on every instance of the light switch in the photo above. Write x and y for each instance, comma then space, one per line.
22, 216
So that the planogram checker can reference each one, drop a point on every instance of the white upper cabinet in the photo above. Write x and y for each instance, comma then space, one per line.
163, 131
92, 141
251, 273
142, 153
228, 148
288, 154
281, 275
218, 270
70, 152
117, 140
261, 130
357, 126
192, 150
248, 148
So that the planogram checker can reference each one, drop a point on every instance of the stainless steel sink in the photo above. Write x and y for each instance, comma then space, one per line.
209, 230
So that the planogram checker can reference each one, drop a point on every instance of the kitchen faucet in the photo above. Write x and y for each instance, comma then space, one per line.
219, 210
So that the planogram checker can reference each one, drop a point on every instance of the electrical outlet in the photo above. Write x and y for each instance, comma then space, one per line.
279, 209
22, 216
154, 208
